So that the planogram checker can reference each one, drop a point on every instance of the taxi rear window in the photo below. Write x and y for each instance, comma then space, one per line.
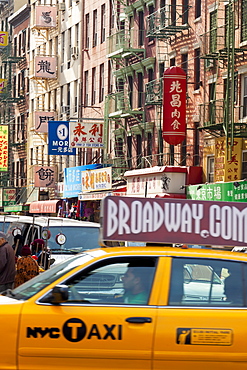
207, 282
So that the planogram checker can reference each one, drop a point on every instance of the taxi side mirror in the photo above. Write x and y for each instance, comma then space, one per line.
59, 294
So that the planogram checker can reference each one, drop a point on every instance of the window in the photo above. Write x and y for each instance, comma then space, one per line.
140, 89
197, 77
24, 41
129, 151
244, 164
87, 32
141, 28
95, 28
111, 282
184, 64
151, 10
110, 78
172, 62
206, 282
185, 10
93, 86
69, 48
86, 93
75, 96
130, 90
243, 20
101, 83
210, 169
62, 46
196, 157
138, 151
103, 23
197, 8
244, 96
213, 31
149, 145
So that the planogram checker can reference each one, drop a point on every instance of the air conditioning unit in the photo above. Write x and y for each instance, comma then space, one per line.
209, 63
61, 6
74, 52
65, 109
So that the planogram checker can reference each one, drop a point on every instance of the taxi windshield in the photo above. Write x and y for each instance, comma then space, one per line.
36, 284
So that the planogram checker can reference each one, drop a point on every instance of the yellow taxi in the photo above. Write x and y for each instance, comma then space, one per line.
130, 308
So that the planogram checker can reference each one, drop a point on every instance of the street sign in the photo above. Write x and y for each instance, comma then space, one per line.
58, 138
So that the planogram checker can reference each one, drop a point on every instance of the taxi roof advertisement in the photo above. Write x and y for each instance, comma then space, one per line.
174, 221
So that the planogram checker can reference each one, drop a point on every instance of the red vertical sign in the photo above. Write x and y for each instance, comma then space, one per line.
174, 105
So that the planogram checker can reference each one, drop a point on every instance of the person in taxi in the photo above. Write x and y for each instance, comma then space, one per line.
135, 283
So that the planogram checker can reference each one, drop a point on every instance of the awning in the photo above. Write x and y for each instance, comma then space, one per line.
99, 195
45, 206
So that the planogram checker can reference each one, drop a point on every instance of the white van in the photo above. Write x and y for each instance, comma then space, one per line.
79, 235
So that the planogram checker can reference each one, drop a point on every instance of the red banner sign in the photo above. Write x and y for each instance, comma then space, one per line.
174, 221
174, 105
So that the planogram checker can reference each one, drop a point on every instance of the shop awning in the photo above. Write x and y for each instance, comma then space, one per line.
99, 195
45, 206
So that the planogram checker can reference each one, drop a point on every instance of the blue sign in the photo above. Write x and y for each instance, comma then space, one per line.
72, 179
58, 138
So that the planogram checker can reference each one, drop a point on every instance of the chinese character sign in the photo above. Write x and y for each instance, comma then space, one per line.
3, 84
86, 135
4, 144
174, 105
45, 16
227, 167
100, 179
3, 39
45, 67
9, 196
41, 121
44, 176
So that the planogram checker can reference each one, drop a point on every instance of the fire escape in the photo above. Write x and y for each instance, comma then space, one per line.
124, 107
220, 115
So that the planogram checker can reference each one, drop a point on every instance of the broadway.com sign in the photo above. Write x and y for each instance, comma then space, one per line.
174, 221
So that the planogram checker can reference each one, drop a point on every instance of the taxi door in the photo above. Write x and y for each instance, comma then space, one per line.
87, 335
197, 332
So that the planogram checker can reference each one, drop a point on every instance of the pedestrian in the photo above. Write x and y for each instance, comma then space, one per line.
42, 252
7, 264
18, 244
26, 267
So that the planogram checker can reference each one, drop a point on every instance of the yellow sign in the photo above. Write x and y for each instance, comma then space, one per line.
222, 337
227, 168
3, 84
3, 38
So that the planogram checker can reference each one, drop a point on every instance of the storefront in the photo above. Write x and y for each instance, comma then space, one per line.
235, 191
96, 185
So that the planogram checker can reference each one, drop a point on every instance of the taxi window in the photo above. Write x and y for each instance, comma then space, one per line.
115, 281
206, 282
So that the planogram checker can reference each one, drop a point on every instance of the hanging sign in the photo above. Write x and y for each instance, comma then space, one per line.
86, 135
3, 39
4, 145
41, 121
174, 105
45, 16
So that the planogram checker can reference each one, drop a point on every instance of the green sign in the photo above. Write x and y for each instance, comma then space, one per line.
16, 208
221, 191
